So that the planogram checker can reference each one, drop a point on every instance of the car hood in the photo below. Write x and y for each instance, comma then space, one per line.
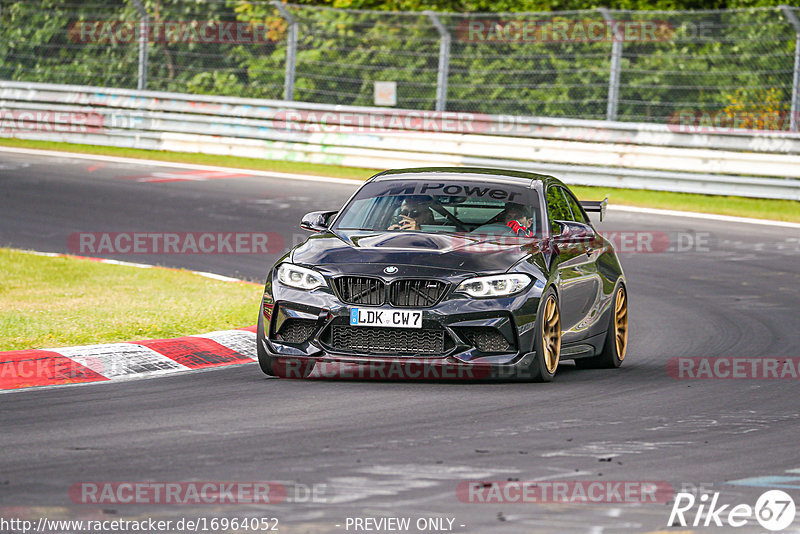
454, 253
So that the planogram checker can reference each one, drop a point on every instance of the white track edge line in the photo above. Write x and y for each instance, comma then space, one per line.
214, 276
348, 181
178, 165
698, 215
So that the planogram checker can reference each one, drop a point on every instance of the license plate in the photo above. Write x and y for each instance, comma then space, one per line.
388, 318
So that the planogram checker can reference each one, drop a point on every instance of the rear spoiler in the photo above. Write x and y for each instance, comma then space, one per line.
596, 206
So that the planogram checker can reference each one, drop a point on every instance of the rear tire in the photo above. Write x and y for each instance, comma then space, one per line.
547, 342
616, 343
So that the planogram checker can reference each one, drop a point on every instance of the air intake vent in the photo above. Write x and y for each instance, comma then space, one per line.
361, 290
487, 339
296, 330
379, 340
416, 293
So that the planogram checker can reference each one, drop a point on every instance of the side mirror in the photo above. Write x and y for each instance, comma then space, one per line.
575, 232
317, 221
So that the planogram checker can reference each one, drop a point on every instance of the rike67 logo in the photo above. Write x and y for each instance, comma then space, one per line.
774, 510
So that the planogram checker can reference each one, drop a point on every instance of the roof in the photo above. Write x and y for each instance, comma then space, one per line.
466, 173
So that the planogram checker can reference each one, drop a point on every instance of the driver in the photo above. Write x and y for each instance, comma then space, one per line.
413, 213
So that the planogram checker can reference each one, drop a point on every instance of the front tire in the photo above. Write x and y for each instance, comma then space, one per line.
547, 342
616, 343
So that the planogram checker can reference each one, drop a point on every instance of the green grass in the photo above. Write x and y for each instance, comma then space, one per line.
60, 301
782, 210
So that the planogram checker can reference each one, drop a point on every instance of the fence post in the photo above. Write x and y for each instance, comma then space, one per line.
792, 16
444, 61
616, 56
291, 49
144, 37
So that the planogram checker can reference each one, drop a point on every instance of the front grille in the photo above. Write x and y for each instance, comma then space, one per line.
360, 290
367, 291
416, 293
378, 340
296, 330
487, 339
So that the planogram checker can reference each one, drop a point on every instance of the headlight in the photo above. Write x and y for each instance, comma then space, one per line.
501, 285
299, 277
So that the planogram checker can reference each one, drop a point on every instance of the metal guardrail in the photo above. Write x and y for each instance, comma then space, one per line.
600, 153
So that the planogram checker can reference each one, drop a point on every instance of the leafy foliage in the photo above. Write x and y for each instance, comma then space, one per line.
705, 60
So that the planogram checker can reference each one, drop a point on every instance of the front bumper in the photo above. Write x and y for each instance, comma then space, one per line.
464, 338
396, 368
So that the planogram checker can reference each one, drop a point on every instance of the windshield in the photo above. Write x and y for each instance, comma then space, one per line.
443, 206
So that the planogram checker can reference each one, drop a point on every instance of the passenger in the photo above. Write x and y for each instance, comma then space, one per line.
514, 219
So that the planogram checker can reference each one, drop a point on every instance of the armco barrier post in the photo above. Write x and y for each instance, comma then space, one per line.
795, 107
144, 31
291, 49
616, 56
444, 61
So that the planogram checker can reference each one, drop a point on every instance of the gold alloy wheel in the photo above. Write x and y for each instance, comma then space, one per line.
551, 334
621, 323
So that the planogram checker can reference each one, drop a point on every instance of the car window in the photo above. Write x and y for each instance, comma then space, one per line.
557, 208
440, 205
575, 208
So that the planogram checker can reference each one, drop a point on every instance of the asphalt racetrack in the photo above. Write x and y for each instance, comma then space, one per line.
376, 449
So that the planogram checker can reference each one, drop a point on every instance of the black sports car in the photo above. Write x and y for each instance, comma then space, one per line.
447, 273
